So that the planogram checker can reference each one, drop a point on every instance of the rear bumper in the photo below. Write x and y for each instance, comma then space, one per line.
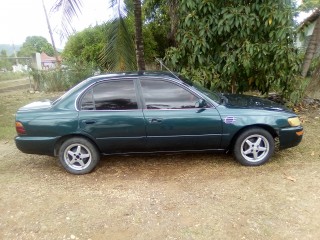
36, 145
290, 137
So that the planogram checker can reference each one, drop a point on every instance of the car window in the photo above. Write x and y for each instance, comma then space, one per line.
111, 95
160, 94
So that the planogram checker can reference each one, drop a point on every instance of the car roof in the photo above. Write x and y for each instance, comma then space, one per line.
136, 74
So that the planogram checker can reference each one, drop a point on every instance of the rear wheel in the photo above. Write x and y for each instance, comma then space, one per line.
254, 147
78, 155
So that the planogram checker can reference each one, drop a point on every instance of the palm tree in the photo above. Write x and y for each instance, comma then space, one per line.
71, 8
51, 35
138, 35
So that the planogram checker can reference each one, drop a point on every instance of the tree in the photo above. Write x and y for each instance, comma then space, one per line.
71, 8
161, 20
119, 51
163, 14
236, 45
138, 35
84, 47
51, 35
5, 64
35, 44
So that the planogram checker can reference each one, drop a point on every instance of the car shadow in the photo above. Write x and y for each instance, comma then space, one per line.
162, 166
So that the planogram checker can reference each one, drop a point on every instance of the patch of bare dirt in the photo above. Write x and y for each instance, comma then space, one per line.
198, 196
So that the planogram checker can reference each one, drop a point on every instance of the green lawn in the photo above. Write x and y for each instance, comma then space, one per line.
10, 103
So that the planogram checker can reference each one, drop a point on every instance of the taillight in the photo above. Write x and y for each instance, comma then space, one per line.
20, 129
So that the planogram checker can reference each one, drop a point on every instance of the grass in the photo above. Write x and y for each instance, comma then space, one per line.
9, 104
5, 76
15, 83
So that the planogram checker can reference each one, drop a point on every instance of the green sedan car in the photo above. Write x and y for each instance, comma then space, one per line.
152, 112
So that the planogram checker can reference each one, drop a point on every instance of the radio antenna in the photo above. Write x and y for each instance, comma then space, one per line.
163, 65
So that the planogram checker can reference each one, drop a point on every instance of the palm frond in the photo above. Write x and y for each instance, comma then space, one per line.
119, 51
69, 9
119, 8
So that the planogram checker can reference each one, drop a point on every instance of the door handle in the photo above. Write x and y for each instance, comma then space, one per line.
89, 121
155, 120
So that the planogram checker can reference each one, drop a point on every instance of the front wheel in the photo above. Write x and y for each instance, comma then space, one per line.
254, 147
78, 155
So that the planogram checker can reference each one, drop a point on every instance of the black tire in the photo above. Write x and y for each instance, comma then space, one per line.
254, 147
78, 155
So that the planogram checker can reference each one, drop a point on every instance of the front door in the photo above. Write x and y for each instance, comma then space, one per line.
173, 122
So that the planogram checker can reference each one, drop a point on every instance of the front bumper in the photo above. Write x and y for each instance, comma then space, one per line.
290, 137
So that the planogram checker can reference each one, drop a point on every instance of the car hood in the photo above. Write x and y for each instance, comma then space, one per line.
45, 104
244, 101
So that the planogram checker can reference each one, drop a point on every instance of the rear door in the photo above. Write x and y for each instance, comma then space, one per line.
111, 114
173, 122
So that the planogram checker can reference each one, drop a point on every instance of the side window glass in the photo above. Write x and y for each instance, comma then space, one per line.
160, 94
87, 102
111, 95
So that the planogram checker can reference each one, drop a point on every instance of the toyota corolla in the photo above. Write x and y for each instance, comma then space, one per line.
152, 112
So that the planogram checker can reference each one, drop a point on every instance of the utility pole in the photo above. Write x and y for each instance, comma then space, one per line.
51, 35
15, 53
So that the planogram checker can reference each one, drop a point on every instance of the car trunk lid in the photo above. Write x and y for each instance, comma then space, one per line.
45, 104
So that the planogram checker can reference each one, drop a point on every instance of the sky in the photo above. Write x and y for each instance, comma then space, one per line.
22, 18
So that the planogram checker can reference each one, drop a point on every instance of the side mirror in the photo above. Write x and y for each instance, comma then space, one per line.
200, 103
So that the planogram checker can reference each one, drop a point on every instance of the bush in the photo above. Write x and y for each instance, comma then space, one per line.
237, 46
57, 80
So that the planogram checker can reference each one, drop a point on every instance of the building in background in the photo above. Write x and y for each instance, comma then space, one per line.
48, 62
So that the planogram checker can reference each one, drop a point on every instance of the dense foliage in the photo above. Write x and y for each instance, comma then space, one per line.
162, 19
108, 47
84, 48
236, 45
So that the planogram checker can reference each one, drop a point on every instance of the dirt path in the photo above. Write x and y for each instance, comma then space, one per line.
160, 197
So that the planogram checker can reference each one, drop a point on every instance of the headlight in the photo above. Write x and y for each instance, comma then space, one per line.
294, 122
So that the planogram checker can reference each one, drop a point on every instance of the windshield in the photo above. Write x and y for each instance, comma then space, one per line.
210, 94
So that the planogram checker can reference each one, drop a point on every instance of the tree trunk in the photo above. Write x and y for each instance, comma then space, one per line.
51, 36
138, 34
313, 89
174, 20
311, 49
